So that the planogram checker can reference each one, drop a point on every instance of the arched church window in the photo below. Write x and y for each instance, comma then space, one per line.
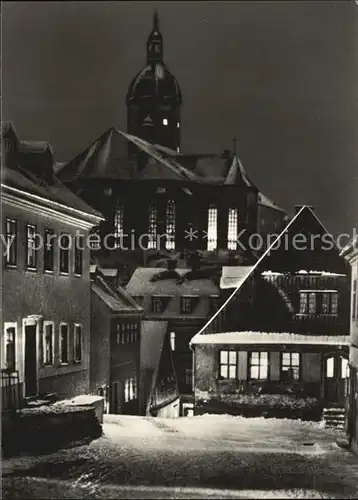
152, 227
170, 225
212, 232
118, 224
232, 229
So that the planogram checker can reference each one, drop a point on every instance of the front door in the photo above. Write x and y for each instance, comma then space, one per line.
30, 361
336, 378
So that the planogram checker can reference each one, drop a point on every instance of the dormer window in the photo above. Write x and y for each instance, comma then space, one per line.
188, 303
159, 303
165, 122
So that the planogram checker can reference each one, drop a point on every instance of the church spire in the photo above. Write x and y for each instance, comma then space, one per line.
155, 42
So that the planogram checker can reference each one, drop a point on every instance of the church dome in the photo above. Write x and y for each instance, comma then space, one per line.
154, 81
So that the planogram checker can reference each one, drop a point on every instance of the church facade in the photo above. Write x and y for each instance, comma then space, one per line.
158, 201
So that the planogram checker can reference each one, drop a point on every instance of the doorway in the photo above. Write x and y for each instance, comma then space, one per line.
335, 379
30, 361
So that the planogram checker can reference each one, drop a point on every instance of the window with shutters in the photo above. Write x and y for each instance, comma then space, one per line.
258, 365
228, 364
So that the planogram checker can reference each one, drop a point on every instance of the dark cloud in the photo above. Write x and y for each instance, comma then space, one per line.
281, 76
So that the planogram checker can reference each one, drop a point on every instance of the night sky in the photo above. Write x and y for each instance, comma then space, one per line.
281, 76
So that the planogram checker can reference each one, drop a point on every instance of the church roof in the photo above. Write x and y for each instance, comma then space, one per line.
154, 81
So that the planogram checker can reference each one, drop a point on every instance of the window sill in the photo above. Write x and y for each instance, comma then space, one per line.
77, 361
49, 271
64, 363
78, 275
64, 273
47, 365
10, 266
31, 269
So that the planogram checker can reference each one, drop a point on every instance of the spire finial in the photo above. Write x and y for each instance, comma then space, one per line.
155, 20
234, 150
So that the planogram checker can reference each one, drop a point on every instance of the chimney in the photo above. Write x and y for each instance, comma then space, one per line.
171, 264
298, 208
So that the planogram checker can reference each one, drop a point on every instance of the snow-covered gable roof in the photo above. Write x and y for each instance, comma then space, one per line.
272, 248
118, 300
268, 338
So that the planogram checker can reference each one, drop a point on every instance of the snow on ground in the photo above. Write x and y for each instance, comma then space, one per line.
139, 456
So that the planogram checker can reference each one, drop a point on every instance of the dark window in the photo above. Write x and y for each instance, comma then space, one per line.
159, 304
290, 366
49, 250
10, 343
11, 242
187, 304
48, 335
77, 354
64, 245
354, 300
31, 252
258, 365
228, 364
64, 343
78, 255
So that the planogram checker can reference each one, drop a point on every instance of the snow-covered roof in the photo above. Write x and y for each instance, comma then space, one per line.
268, 338
232, 276
266, 202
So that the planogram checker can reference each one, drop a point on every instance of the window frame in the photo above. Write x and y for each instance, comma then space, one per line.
44, 337
170, 224
228, 364
164, 304
62, 323
28, 266
61, 253
75, 329
8, 325
212, 233
232, 228
290, 366
250, 365
78, 256
49, 231
354, 313
320, 302
193, 300
8, 234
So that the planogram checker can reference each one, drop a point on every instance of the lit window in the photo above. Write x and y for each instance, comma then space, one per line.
48, 336
31, 253
126, 390
152, 229
118, 224
172, 340
165, 122
312, 303
232, 229
290, 366
170, 225
319, 302
49, 250
77, 347
64, 343
228, 364
258, 365
212, 228
178, 125
11, 242
10, 343
330, 367
64, 253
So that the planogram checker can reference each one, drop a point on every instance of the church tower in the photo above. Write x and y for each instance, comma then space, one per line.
154, 98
